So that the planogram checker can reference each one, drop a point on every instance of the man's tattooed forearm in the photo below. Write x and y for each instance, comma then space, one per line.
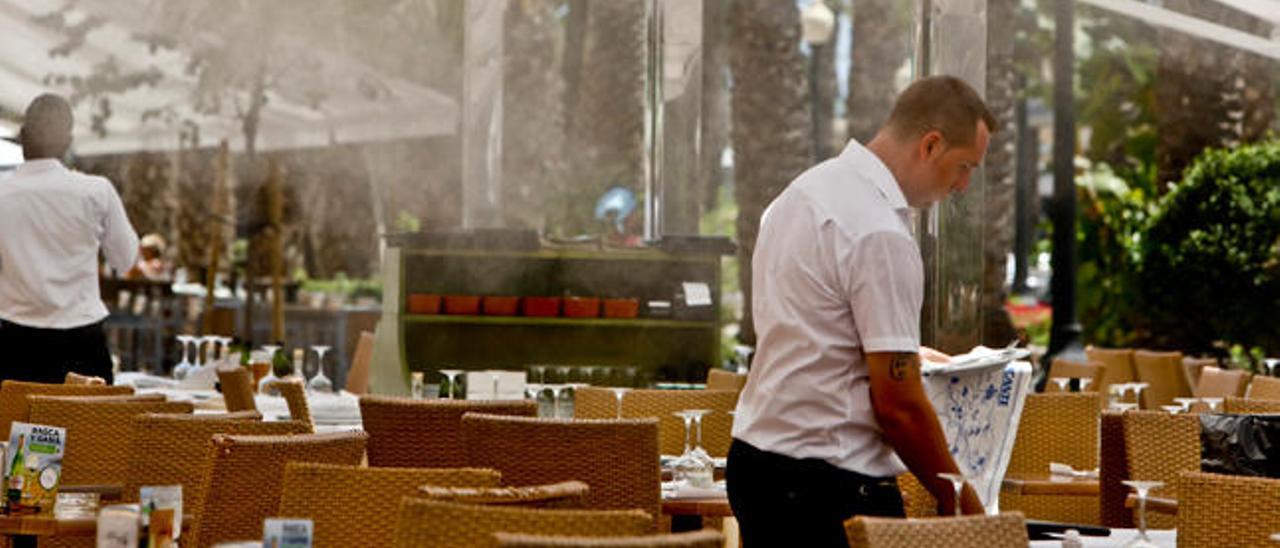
899, 366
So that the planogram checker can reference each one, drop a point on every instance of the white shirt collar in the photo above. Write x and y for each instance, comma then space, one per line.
880, 175
38, 166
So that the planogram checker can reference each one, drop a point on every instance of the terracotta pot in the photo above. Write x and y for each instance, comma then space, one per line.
501, 306
541, 307
621, 308
462, 305
582, 307
423, 303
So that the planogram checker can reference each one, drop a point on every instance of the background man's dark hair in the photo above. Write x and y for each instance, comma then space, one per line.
942, 103
46, 127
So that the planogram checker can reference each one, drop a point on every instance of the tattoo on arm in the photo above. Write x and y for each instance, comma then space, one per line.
899, 366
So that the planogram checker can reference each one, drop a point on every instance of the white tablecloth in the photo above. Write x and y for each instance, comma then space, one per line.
329, 412
1164, 538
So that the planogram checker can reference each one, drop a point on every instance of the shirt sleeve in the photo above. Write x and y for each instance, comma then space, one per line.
119, 241
886, 289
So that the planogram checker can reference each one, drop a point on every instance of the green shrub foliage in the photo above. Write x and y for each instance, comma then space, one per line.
1209, 257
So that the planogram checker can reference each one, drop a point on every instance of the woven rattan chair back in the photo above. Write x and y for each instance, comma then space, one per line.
1113, 468
1164, 375
13, 397
424, 523
294, 392
75, 378
237, 388
564, 495
1250, 406
1094, 371
171, 449
1056, 427
1216, 510
324, 493
705, 538
242, 478
358, 375
719, 379
1002, 531
1159, 447
1119, 366
1264, 388
1222, 383
97, 432
425, 433
1193, 367
618, 459
717, 426
917, 502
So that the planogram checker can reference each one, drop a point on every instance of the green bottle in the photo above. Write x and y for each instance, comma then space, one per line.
17, 472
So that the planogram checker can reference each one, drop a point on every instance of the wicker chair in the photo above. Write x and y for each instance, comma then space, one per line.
75, 378
13, 397
356, 506
1250, 406
294, 392
1194, 367
171, 449
242, 478
428, 524
1094, 371
97, 432
425, 433
563, 495
358, 374
1119, 364
705, 538
1159, 447
1005, 530
1113, 468
1222, 383
717, 426
917, 502
1264, 388
1057, 427
1216, 510
1164, 375
719, 379
237, 388
618, 459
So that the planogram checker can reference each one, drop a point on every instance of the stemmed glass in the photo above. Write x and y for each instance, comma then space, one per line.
180, 371
1186, 403
451, 374
564, 374
1084, 383
557, 394
957, 483
1142, 488
1213, 403
495, 376
1138, 387
619, 392
416, 385
1062, 382
270, 377
320, 383
1172, 409
690, 467
1271, 364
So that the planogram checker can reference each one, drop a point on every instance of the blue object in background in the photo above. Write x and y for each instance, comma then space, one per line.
621, 201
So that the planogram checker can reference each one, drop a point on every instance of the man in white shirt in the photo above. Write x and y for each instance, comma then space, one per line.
833, 408
53, 222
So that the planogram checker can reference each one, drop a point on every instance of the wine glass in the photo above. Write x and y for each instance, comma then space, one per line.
224, 347
495, 376
619, 392
1061, 382
451, 374
698, 451
1213, 403
564, 373
957, 484
417, 385
557, 394
1138, 387
1123, 406
1186, 403
320, 383
541, 370
183, 367
264, 385
1084, 383
689, 468
1142, 488
1172, 409
1271, 364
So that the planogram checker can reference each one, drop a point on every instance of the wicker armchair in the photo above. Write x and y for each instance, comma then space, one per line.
1216, 510
1113, 468
705, 538
1264, 388
1159, 447
1222, 383
1164, 375
429, 524
294, 392
13, 397
719, 379
1094, 371
717, 426
171, 449
1250, 406
618, 459
563, 495
425, 433
1119, 364
242, 478
237, 388
1002, 531
917, 502
356, 506
75, 378
1056, 427
97, 432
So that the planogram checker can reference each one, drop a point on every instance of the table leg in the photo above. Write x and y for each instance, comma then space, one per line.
23, 541
682, 522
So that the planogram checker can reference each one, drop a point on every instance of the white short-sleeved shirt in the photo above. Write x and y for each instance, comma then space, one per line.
836, 274
53, 222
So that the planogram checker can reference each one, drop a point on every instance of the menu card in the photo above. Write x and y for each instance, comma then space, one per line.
33, 466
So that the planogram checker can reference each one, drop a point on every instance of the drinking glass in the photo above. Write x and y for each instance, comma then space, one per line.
1062, 382
417, 385
1213, 403
1172, 409
320, 383
1142, 488
1271, 364
1084, 383
495, 376
1123, 406
564, 373
1138, 387
689, 468
1186, 403
270, 377
698, 451
183, 367
957, 484
541, 371
619, 392
557, 394
451, 374
224, 347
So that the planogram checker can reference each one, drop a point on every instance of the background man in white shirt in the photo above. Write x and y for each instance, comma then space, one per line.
833, 408
53, 222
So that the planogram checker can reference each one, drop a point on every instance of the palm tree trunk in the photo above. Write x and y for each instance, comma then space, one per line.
533, 111
1001, 181
715, 99
881, 45
771, 120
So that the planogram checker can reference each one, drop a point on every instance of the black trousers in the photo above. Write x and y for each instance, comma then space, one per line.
784, 502
46, 355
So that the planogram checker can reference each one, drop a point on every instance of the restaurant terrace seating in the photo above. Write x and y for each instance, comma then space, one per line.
1119, 366
356, 505
1216, 510
97, 432
13, 397
719, 379
1264, 388
705, 538
1113, 468
237, 388
425, 433
1164, 375
1064, 368
616, 458
426, 523
1056, 427
1221, 383
563, 495
1002, 531
1194, 367
294, 392
243, 477
717, 426
75, 378
1158, 447
1250, 406
358, 375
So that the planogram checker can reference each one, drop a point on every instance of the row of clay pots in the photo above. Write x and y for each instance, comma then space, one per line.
540, 307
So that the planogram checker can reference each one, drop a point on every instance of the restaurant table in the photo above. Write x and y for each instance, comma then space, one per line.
1045, 484
1164, 538
25, 529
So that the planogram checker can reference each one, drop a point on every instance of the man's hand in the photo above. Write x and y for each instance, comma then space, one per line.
970, 504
